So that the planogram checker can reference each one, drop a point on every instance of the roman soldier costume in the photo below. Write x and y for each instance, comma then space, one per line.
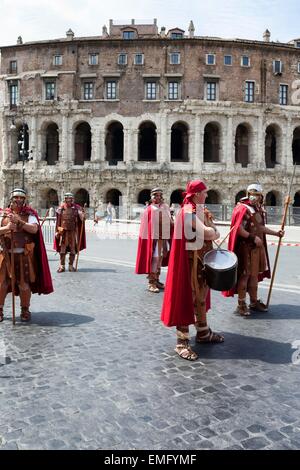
247, 240
20, 231
187, 296
69, 226
154, 240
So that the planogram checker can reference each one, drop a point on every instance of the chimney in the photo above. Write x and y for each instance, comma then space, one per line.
104, 31
155, 21
132, 21
70, 35
19, 40
191, 29
267, 35
163, 31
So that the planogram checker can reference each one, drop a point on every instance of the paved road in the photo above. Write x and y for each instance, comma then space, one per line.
96, 369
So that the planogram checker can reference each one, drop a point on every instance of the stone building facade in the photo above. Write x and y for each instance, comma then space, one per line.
134, 108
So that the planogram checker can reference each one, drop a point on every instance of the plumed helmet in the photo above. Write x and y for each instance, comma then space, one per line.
156, 190
254, 188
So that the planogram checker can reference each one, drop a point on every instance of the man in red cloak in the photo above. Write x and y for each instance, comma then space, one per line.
31, 268
187, 296
69, 226
247, 240
154, 240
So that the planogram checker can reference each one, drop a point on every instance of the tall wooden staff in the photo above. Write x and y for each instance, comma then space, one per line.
42, 223
13, 280
286, 206
80, 238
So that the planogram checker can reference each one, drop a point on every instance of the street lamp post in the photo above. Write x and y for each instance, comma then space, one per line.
23, 152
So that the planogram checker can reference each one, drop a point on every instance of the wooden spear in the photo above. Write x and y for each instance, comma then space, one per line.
80, 239
286, 206
13, 280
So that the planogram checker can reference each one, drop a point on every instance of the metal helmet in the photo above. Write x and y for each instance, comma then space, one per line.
254, 188
18, 192
69, 195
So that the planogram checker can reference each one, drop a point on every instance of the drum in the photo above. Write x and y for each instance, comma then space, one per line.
220, 268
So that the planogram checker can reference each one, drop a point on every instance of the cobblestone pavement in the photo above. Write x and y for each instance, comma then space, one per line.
96, 369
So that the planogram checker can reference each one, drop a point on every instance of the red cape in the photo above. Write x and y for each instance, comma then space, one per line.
43, 284
56, 245
145, 244
178, 307
237, 217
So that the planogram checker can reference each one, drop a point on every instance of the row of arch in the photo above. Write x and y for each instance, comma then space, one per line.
147, 143
113, 195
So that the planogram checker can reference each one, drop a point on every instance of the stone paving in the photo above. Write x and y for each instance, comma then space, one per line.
96, 369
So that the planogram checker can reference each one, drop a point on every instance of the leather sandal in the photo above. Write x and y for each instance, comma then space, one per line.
61, 269
209, 337
185, 351
25, 314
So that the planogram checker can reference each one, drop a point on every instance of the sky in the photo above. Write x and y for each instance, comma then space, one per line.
37, 20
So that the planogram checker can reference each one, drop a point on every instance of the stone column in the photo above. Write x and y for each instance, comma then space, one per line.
101, 144
197, 154
163, 151
134, 134
259, 158
229, 155
64, 141
95, 155
33, 138
287, 146
6, 138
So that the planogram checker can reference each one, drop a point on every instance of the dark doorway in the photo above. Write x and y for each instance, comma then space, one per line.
241, 145
114, 142
179, 142
211, 146
147, 142
296, 146
144, 196
52, 144
82, 197
82, 143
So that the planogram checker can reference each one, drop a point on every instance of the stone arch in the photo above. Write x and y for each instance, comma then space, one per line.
179, 142
211, 146
82, 197
143, 196
20, 131
147, 142
52, 198
176, 196
213, 197
241, 144
296, 146
114, 142
114, 196
51, 143
83, 143
271, 198
272, 145
239, 195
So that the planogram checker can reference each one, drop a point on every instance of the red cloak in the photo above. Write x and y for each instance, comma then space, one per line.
178, 306
145, 244
56, 245
237, 218
43, 283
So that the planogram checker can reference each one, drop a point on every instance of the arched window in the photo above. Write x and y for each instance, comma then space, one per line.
144, 196
52, 199
239, 195
83, 144
271, 199
82, 197
296, 146
242, 145
212, 197
211, 146
272, 140
147, 142
179, 142
52, 144
114, 143
176, 197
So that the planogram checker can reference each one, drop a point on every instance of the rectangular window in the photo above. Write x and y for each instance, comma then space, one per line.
249, 92
88, 90
13, 66
245, 61
122, 59
57, 60
227, 60
13, 94
173, 90
151, 91
50, 90
175, 58
176, 35
283, 94
210, 59
128, 34
93, 59
111, 90
211, 91
298, 44
139, 59
277, 67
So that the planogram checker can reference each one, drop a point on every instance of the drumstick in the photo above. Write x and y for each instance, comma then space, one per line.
219, 245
